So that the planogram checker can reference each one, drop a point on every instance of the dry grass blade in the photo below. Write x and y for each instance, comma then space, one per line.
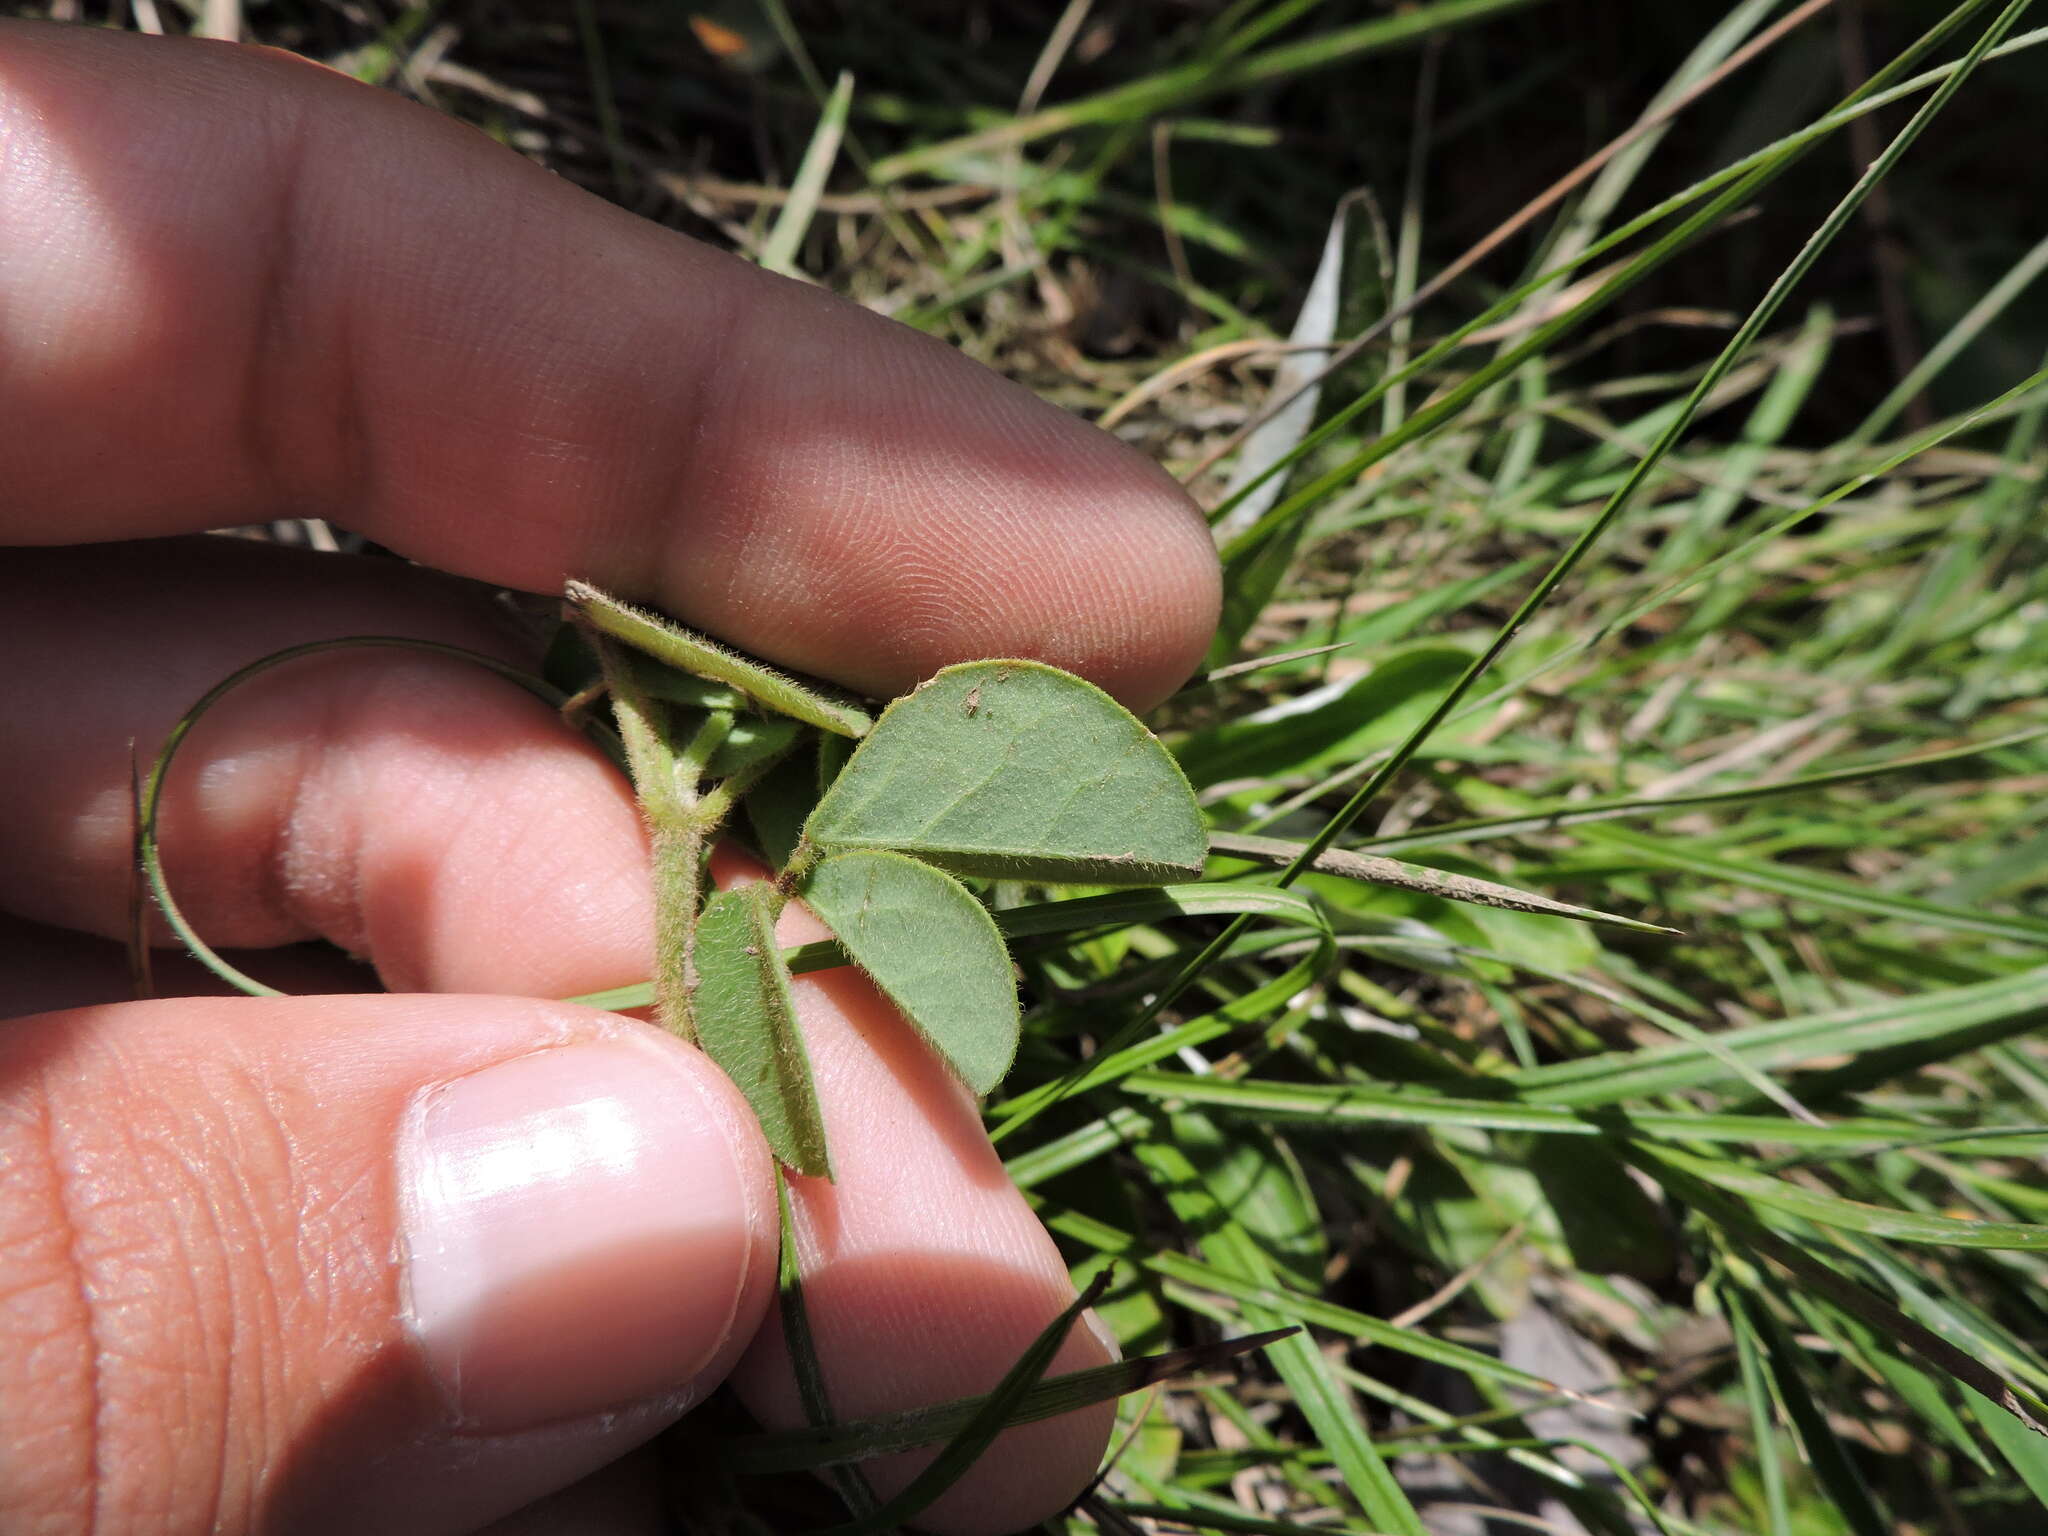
1376, 870
1296, 389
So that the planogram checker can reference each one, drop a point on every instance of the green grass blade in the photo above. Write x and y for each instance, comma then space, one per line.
2007, 1005
1761, 1402
1337, 1106
1824, 1452
1832, 1211
1322, 1400
778, 252
1173, 89
994, 1413
831, 1444
802, 1343
1312, 1311
1588, 812
1826, 890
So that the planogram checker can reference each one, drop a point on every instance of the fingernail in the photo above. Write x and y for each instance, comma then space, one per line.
575, 1232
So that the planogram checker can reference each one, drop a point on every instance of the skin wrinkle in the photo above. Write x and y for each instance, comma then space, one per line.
267, 1177
396, 926
191, 1344
229, 1354
43, 1156
325, 1249
65, 1179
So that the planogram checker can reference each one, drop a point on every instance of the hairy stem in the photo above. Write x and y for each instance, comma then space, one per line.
678, 850
665, 781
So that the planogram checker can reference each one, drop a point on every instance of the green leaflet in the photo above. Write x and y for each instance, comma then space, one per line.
693, 654
746, 1023
932, 948
1017, 770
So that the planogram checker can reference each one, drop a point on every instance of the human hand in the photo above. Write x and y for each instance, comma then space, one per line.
409, 1263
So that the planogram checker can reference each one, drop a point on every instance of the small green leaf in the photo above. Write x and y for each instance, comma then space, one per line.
1017, 770
932, 948
746, 1022
669, 642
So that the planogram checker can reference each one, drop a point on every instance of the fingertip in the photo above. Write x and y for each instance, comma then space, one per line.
1167, 559
886, 507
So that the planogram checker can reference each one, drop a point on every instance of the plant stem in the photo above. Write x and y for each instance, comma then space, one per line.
678, 850
665, 781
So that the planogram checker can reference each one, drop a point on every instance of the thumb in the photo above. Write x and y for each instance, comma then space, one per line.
358, 1263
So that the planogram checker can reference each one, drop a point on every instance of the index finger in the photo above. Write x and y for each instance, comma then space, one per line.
253, 287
